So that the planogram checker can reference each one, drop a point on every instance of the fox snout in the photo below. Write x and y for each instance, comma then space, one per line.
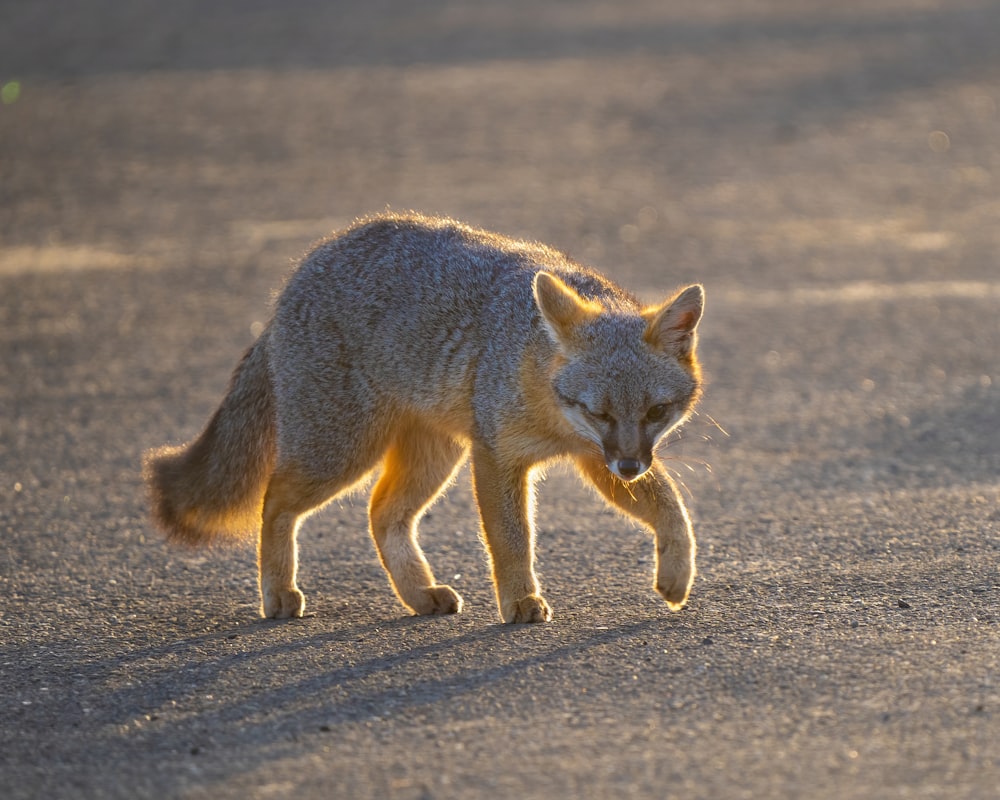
628, 448
628, 469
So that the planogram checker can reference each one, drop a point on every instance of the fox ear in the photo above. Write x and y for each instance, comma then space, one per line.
563, 310
671, 327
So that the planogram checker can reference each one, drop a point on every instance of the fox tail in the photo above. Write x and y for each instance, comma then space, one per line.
212, 488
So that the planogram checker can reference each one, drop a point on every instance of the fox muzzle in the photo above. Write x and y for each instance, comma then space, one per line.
628, 469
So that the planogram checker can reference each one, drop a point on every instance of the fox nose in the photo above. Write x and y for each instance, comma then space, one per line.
629, 468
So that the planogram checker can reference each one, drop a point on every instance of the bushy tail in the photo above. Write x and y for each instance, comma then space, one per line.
213, 488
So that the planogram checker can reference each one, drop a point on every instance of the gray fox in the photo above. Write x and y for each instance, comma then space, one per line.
407, 342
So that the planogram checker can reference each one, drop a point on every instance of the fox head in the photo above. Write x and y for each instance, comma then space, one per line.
625, 378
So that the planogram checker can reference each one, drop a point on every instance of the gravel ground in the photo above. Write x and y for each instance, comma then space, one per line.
828, 172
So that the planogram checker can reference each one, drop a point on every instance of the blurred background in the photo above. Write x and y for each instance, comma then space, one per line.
736, 142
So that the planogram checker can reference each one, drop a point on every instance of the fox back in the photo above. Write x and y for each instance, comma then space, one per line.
429, 316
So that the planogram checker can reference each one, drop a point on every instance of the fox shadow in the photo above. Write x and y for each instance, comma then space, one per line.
261, 688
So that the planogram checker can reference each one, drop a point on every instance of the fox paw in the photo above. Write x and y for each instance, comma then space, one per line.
438, 599
283, 603
675, 589
532, 608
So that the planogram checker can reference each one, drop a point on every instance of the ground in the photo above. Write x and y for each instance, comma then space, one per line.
828, 171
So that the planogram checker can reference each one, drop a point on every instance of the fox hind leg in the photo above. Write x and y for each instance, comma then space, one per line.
292, 493
277, 556
417, 466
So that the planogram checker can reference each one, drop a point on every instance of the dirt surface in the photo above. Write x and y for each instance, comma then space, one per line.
828, 171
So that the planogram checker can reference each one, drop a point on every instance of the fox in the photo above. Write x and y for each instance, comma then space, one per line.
407, 344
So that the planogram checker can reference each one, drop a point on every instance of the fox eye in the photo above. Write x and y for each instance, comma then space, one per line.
571, 403
658, 413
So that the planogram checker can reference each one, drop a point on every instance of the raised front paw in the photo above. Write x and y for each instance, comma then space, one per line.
675, 586
532, 608
282, 603
439, 599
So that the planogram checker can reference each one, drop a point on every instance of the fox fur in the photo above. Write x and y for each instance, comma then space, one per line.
405, 344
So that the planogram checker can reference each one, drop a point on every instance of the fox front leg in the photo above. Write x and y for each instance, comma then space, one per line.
654, 500
675, 546
503, 493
